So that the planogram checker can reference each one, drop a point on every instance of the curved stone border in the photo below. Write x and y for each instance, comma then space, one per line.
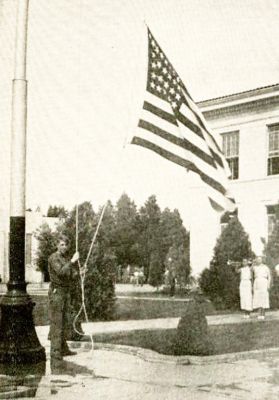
153, 356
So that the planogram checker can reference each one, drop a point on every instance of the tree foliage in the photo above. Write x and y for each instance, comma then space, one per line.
46, 246
271, 252
271, 249
221, 281
180, 264
127, 236
126, 232
57, 212
192, 336
101, 265
149, 234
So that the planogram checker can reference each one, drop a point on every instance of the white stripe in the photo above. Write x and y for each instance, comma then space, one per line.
183, 131
194, 138
183, 153
193, 111
209, 141
192, 117
176, 132
161, 123
156, 101
186, 155
211, 144
164, 144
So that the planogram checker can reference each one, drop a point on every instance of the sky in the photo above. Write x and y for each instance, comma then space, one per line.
86, 71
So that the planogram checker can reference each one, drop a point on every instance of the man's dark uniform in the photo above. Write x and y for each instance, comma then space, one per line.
60, 273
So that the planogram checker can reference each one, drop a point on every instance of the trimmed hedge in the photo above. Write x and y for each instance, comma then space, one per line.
192, 335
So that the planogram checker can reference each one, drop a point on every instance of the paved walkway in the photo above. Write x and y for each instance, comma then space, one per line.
109, 373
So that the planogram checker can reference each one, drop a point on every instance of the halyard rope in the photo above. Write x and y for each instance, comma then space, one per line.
82, 274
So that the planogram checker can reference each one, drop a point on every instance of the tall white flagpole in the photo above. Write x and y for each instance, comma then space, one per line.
19, 343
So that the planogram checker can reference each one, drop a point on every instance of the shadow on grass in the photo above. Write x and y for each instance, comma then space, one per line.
224, 338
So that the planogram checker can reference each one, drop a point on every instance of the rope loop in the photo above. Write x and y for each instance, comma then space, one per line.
82, 274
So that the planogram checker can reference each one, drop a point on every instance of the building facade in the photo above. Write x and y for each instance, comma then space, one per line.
247, 127
34, 220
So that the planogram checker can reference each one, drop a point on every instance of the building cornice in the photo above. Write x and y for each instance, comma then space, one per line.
244, 101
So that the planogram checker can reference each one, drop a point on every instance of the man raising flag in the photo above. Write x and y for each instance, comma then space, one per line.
173, 127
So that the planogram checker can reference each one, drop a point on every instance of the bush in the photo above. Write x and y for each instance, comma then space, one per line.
274, 291
156, 270
47, 246
220, 282
192, 337
101, 266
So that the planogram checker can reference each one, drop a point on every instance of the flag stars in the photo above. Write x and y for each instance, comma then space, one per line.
160, 78
159, 64
164, 70
174, 104
154, 64
166, 85
177, 96
152, 84
159, 89
172, 91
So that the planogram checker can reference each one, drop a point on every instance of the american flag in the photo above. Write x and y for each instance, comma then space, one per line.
173, 127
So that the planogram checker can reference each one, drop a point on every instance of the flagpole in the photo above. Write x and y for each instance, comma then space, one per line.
19, 343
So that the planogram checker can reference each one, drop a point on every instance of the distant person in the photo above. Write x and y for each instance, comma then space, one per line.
60, 269
128, 273
141, 276
119, 274
245, 287
136, 277
171, 277
262, 283
166, 277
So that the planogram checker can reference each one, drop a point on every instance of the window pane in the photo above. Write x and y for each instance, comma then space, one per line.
231, 144
231, 151
273, 166
273, 145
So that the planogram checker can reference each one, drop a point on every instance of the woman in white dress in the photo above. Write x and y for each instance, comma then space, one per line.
262, 282
245, 287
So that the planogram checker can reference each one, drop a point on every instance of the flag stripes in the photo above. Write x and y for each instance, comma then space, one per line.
173, 155
182, 142
173, 127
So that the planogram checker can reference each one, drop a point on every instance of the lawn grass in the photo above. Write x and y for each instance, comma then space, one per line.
224, 338
127, 309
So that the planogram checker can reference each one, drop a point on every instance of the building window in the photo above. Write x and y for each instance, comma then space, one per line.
28, 248
231, 151
273, 150
271, 218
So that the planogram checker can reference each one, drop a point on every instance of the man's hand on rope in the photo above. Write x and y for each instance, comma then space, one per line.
75, 257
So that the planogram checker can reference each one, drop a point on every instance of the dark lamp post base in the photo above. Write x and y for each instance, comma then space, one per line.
19, 343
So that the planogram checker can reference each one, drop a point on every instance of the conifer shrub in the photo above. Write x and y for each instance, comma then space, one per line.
220, 282
192, 337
